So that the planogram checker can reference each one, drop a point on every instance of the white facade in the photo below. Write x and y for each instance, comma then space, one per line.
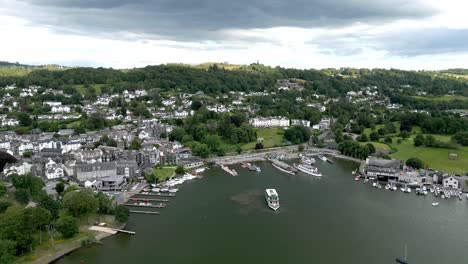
450, 182
276, 121
70, 147
22, 169
61, 109
52, 104
300, 122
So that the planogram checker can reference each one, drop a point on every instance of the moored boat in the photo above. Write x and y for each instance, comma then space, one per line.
308, 160
308, 169
252, 167
322, 157
272, 199
284, 167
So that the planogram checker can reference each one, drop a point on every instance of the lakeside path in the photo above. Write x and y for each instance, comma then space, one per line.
290, 152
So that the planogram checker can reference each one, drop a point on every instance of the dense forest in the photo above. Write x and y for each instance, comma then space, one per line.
216, 79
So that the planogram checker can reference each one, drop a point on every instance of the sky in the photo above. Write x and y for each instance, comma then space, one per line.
403, 34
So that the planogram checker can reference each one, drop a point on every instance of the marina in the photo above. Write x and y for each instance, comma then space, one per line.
332, 214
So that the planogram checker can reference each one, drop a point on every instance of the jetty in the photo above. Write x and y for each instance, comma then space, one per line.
157, 194
226, 169
109, 230
143, 212
148, 199
161, 205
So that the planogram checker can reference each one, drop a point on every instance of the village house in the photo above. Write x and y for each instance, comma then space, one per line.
300, 122
267, 122
450, 182
323, 125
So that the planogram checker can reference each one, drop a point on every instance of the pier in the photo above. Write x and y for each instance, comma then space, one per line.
148, 199
158, 194
144, 212
226, 169
146, 205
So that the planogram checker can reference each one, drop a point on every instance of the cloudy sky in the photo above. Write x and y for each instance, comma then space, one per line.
405, 34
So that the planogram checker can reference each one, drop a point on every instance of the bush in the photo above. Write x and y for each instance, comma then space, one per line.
461, 138
418, 140
415, 163
374, 136
121, 213
68, 226
388, 140
259, 145
180, 170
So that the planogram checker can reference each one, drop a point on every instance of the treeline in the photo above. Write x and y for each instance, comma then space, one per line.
22, 227
422, 104
254, 77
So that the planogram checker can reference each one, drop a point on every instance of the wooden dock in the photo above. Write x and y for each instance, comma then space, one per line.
158, 194
148, 199
146, 205
144, 212
125, 231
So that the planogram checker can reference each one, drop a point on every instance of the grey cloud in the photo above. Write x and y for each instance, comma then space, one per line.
405, 43
204, 19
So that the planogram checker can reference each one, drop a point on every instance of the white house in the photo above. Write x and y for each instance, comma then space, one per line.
275, 121
323, 125
450, 182
300, 122
52, 104
20, 169
5, 145
61, 109
25, 146
53, 170
70, 146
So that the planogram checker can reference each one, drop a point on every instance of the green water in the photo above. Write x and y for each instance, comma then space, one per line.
333, 219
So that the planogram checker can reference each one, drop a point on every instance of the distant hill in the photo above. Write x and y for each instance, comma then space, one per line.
457, 71
12, 64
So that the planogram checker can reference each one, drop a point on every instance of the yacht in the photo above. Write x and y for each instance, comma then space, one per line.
308, 169
252, 167
272, 199
307, 160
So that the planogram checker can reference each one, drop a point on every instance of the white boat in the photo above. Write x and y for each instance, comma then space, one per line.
308, 169
322, 157
287, 170
155, 189
408, 190
435, 204
272, 199
173, 190
387, 186
307, 160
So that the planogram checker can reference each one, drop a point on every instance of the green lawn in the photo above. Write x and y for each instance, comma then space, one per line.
82, 90
272, 137
442, 98
435, 158
378, 145
164, 173
367, 131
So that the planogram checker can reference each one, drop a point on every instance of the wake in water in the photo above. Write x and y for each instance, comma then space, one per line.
252, 200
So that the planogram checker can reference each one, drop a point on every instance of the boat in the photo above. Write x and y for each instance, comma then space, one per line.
307, 160
435, 204
252, 167
322, 157
387, 186
366, 180
156, 190
173, 190
272, 199
357, 177
402, 261
284, 167
308, 169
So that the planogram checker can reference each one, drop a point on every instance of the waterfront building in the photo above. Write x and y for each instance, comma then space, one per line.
383, 169
450, 182
266, 122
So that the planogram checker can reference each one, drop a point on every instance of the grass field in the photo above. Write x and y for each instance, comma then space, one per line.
435, 158
82, 90
272, 137
442, 98
164, 173
367, 131
378, 145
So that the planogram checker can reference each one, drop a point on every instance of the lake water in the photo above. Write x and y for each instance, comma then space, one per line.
333, 219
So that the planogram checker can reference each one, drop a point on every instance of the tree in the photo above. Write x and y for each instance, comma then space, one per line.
60, 187
121, 213
381, 131
7, 251
80, 203
22, 196
388, 140
461, 138
135, 145
371, 148
24, 119
404, 134
415, 163
4, 204
48, 203
390, 128
201, 150
418, 140
3, 189
259, 145
374, 136
68, 226
363, 138
429, 141
105, 203
180, 170
196, 105
213, 142
14, 226
177, 134
27, 154
300, 148
238, 149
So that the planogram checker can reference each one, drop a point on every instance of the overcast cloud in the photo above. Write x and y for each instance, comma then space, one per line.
295, 33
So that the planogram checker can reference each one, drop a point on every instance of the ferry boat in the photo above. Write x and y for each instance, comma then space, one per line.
307, 160
307, 169
322, 157
283, 167
272, 199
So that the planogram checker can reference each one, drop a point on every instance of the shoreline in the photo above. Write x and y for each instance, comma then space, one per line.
98, 237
